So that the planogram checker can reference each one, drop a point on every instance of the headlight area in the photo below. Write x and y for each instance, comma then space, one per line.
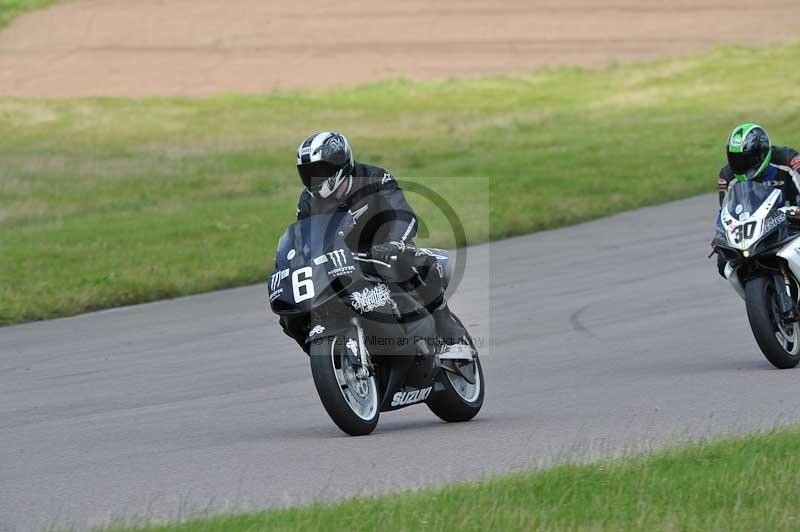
768, 244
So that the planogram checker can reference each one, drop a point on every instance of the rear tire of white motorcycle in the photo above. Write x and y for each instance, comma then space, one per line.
449, 406
330, 393
758, 313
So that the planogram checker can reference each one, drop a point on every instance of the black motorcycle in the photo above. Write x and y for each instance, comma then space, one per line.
373, 346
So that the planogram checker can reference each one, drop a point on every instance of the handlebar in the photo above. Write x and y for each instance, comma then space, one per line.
366, 256
393, 258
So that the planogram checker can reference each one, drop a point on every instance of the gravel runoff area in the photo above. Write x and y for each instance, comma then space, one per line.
205, 47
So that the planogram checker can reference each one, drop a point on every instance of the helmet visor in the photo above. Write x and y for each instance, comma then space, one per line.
313, 175
746, 163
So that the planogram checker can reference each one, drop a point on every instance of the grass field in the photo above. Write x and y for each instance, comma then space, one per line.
12, 8
746, 484
106, 202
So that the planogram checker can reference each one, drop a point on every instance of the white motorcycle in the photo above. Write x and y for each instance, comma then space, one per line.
758, 237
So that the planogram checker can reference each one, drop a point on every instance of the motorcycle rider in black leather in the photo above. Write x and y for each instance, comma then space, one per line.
386, 223
751, 155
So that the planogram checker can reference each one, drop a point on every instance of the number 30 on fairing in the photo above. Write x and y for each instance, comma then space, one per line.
302, 288
744, 231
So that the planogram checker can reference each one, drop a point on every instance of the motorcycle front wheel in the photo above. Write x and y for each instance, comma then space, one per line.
352, 402
779, 340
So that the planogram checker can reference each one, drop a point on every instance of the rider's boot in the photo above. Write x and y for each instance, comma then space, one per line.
451, 334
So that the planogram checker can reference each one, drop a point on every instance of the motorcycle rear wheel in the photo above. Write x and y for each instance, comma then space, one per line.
460, 400
779, 342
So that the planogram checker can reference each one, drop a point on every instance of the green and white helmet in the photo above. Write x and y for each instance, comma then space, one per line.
749, 151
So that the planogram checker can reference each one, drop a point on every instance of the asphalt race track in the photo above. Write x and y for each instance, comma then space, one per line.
610, 337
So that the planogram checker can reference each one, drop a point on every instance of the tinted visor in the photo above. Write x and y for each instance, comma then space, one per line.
745, 163
313, 175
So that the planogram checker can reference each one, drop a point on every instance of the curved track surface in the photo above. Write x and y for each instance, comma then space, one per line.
609, 337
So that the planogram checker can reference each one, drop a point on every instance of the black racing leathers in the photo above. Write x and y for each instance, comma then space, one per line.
783, 172
376, 203
381, 214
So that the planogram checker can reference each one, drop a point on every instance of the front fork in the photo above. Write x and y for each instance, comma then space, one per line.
783, 288
362, 362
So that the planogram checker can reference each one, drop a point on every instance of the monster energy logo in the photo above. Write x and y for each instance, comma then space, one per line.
337, 258
277, 277
275, 289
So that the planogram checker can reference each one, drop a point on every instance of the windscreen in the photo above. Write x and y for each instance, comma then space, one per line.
745, 197
311, 237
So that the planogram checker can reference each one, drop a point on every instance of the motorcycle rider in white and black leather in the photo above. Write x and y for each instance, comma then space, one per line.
387, 224
751, 156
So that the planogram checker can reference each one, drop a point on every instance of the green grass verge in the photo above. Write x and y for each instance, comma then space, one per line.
106, 202
745, 484
13, 8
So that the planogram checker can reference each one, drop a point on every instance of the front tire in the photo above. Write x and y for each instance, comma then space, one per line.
351, 402
780, 342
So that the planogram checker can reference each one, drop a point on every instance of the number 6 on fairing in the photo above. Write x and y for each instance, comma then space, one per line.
307, 284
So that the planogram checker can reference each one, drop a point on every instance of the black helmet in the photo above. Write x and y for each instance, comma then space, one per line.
749, 151
324, 161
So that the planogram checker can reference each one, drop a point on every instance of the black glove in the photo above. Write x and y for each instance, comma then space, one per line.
385, 250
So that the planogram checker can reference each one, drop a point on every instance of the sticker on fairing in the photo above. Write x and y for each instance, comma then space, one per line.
408, 398
370, 299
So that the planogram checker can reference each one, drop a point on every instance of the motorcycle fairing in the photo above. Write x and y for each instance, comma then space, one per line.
307, 276
750, 212
761, 226
791, 254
